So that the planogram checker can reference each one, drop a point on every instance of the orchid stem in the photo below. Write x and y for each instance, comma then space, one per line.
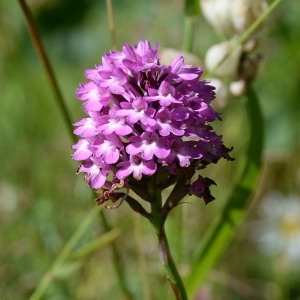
164, 248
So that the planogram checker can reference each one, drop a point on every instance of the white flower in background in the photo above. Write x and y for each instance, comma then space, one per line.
217, 13
216, 59
238, 67
221, 90
237, 88
232, 16
278, 230
245, 12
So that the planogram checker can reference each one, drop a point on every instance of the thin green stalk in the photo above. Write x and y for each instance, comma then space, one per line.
225, 225
257, 22
156, 208
38, 45
39, 48
164, 248
94, 245
191, 11
189, 31
168, 262
62, 256
111, 24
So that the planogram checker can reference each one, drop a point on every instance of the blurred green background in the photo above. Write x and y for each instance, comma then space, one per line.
42, 201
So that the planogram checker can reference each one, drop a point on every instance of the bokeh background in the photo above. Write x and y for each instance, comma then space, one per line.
42, 201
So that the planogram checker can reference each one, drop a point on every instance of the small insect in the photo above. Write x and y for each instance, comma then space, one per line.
109, 194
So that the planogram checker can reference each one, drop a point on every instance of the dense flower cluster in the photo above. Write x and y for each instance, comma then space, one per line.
143, 116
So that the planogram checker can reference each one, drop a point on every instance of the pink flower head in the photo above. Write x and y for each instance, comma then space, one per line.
143, 116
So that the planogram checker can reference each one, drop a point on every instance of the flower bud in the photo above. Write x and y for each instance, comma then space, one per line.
221, 91
238, 88
244, 13
217, 13
232, 16
215, 59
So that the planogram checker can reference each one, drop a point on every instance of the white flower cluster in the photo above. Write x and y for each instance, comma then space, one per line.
237, 66
277, 231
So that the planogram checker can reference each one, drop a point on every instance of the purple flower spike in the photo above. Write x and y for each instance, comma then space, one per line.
144, 117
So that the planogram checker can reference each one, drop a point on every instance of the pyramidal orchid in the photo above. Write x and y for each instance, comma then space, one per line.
147, 127
144, 119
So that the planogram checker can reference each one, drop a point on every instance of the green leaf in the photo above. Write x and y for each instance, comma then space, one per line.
191, 11
222, 230
191, 7
66, 270
93, 246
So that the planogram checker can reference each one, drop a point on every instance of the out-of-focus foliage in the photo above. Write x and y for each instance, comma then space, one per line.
41, 199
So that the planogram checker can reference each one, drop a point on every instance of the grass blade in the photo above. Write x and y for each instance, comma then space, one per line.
63, 255
223, 228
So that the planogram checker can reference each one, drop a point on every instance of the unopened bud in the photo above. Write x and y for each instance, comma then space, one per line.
232, 16
218, 63
245, 12
218, 14
238, 88
221, 91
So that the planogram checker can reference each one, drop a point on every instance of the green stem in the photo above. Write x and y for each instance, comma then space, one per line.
164, 248
111, 23
39, 48
38, 45
257, 22
175, 232
191, 12
189, 30
168, 262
